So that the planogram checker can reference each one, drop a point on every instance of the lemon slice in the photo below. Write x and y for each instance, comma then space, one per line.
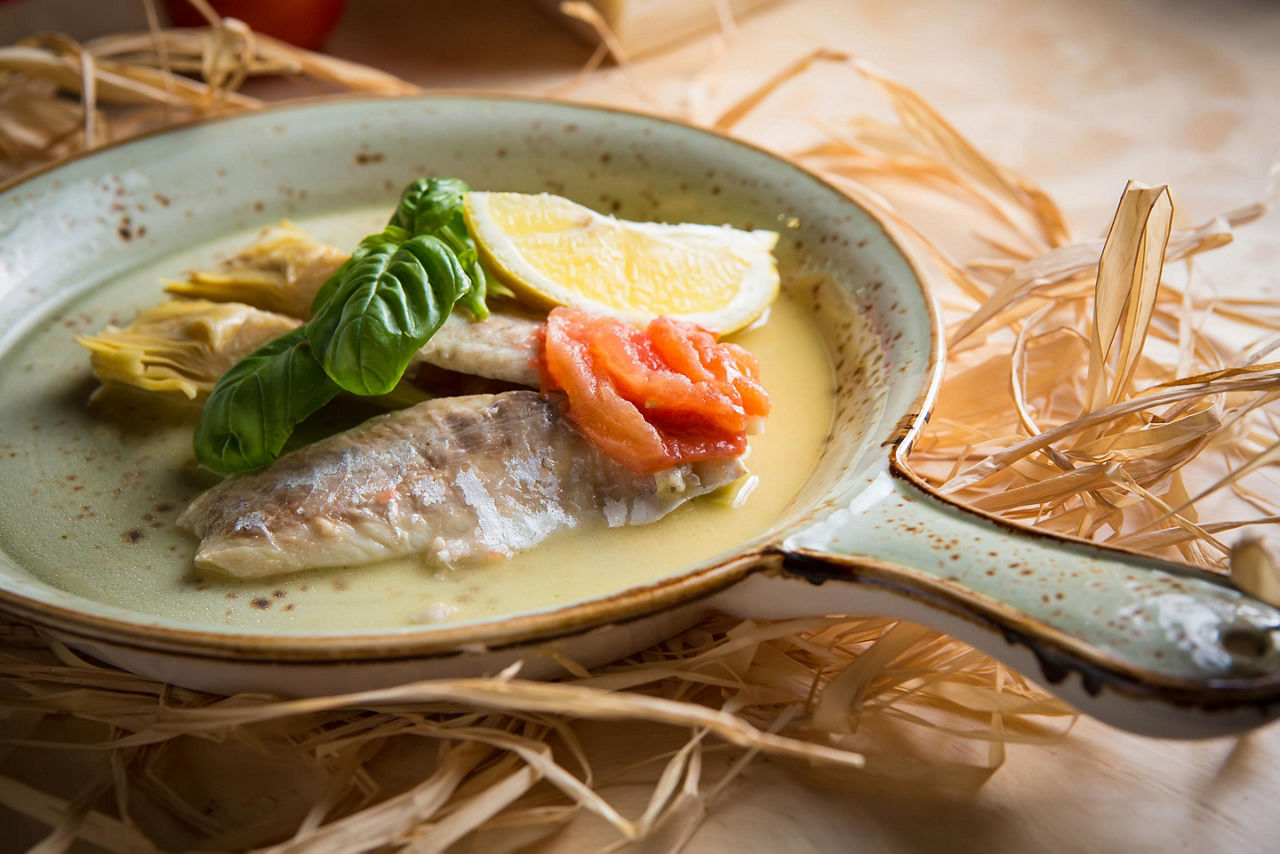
552, 251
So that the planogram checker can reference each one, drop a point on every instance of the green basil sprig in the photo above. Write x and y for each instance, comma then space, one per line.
389, 303
456, 235
368, 319
254, 407
434, 206
429, 204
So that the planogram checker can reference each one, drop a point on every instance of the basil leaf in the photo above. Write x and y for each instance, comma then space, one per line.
254, 407
429, 204
388, 304
368, 319
331, 284
474, 299
459, 239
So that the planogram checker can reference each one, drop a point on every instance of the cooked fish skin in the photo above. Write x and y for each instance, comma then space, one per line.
454, 480
504, 347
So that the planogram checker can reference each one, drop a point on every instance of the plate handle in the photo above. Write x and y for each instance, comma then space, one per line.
1146, 645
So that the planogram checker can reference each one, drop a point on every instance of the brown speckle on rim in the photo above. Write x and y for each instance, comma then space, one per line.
279, 594
339, 585
258, 207
133, 536
364, 158
261, 604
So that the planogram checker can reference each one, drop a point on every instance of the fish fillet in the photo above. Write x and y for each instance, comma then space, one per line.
504, 346
453, 479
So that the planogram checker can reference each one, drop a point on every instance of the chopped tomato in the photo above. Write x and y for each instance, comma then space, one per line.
609, 421
651, 398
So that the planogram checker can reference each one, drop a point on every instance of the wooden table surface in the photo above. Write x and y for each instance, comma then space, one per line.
1079, 94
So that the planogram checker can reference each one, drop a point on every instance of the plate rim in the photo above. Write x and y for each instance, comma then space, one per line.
625, 605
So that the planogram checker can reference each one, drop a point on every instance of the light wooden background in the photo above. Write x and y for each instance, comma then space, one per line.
1080, 94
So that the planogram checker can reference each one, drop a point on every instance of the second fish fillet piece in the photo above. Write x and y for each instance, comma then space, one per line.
503, 346
454, 479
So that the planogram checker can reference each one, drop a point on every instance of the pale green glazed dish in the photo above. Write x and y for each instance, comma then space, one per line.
1147, 645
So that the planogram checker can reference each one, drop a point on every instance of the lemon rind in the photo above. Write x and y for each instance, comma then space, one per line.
759, 284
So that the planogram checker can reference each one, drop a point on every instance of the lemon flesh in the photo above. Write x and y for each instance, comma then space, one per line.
552, 251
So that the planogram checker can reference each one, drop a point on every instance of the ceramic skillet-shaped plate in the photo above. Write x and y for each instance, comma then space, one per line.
88, 494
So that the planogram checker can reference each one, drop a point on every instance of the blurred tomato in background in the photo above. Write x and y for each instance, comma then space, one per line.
304, 23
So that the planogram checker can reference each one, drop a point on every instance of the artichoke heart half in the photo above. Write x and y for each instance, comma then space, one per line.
182, 346
280, 271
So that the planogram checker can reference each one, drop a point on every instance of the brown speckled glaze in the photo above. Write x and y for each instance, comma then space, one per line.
1136, 641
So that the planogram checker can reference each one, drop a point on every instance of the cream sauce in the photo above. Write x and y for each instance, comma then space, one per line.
89, 494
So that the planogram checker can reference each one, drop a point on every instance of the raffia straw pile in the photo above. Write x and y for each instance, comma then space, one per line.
124, 84
1098, 450
1101, 451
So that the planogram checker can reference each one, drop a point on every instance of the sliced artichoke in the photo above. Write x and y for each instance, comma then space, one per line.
280, 271
182, 346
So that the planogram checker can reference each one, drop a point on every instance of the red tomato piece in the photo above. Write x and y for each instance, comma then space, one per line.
664, 395
610, 422
651, 398
672, 341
